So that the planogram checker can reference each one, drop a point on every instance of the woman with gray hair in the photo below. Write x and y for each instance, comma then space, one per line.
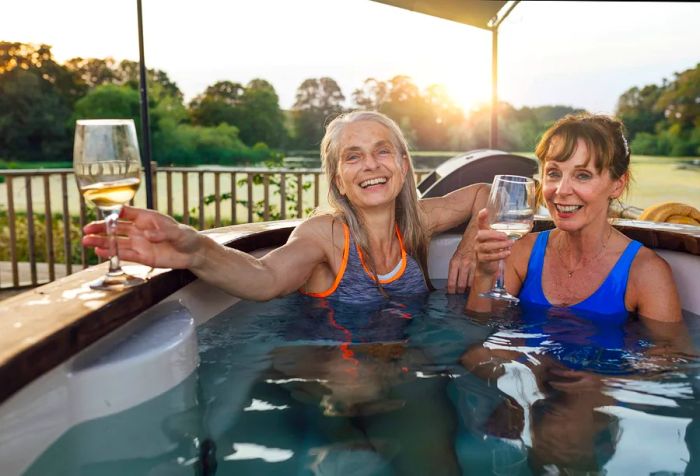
373, 243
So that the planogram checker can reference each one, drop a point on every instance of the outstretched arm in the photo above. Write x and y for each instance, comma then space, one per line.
154, 239
449, 211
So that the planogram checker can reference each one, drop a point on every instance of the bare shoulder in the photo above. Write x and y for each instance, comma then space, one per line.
652, 291
647, 262
520, 254
320, 230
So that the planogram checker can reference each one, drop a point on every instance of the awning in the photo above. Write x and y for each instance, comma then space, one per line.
478, 13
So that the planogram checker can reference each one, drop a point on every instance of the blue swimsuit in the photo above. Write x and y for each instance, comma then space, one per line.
606, 304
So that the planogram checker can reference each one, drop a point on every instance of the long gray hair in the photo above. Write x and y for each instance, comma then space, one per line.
408, 217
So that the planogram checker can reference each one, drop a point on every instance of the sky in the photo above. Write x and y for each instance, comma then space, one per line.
581, 54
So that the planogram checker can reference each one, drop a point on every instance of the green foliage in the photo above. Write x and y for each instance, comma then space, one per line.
109, 101
36, 96
318, 101
665, 119
22, 237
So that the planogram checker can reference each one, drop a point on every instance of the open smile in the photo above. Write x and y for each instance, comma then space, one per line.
567, 208
373, 181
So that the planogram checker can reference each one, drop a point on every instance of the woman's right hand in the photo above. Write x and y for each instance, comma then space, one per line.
491, 246
148, 237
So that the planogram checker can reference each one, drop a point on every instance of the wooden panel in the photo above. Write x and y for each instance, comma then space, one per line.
300, 195
234, 205
67, 248
200, 195
283, 195
50, 255
266, 197
217, 199
249, 182
185, 199
31, 233
11, 222
169, 191
83, 250
316, 190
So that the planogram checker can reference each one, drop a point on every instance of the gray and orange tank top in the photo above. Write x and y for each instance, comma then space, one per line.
355, 283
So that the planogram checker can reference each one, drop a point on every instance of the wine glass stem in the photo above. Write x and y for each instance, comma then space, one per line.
111, 222
500, 284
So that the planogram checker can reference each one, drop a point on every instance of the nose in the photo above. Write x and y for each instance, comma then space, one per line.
564, 186
370, 162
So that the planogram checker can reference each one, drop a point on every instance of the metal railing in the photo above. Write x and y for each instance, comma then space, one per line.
42, 212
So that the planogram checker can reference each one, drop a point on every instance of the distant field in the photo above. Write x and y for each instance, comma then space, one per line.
655, 179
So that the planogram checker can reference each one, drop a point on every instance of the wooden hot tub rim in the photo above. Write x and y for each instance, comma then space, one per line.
41, 328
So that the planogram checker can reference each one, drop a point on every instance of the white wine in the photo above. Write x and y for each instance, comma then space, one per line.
514, 231
111, 195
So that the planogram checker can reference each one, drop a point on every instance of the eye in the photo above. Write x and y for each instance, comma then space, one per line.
384, 151
553, 174
352, 158
584, 176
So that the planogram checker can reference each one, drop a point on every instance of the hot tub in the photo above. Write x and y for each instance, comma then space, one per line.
75, 361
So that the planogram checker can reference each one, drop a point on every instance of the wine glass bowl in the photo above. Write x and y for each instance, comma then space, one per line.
511, 209
107, 167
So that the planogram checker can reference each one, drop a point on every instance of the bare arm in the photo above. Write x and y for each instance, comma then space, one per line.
154, 239
652, 291
449, 211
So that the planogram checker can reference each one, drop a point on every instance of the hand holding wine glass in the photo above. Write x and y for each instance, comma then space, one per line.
511, 210
107, 168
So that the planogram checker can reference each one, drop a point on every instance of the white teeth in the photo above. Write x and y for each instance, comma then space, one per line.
568, 208
372, 181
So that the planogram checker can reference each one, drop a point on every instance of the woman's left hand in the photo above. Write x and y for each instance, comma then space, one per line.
461, 269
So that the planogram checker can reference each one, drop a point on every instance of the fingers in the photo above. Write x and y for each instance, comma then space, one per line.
460, 274
494, 249
482, 219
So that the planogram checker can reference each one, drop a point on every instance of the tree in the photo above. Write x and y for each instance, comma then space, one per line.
263, 120
680, 101
636, 108
220, 103
36, 97
371, 95
317, 102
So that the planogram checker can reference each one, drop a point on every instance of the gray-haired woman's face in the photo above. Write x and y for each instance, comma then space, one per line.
371, 169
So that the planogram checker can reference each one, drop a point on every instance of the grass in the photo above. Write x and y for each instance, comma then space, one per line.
655, 179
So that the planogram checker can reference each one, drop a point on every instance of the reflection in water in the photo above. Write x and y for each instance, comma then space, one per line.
299, 386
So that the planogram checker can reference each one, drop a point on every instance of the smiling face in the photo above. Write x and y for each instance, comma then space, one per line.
371, 169
575, 192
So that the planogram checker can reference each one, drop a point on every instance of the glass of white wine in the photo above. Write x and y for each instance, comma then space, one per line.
511, 208
107, 166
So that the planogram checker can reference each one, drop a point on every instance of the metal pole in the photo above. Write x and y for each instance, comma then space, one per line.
145, 126
493, 142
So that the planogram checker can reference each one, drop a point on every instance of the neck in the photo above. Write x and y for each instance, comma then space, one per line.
587, 242
381, 235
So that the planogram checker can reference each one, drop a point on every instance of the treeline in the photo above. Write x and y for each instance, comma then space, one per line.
664, 119
229, 123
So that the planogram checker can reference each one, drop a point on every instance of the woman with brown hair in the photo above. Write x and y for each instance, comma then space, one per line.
584, 264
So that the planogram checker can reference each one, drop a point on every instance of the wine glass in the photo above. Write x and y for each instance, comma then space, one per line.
511, 208
107, 166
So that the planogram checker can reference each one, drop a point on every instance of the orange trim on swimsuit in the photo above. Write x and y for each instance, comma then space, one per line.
403, 261
341, 271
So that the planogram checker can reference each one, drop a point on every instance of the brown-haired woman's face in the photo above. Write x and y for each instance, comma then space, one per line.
575, 193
